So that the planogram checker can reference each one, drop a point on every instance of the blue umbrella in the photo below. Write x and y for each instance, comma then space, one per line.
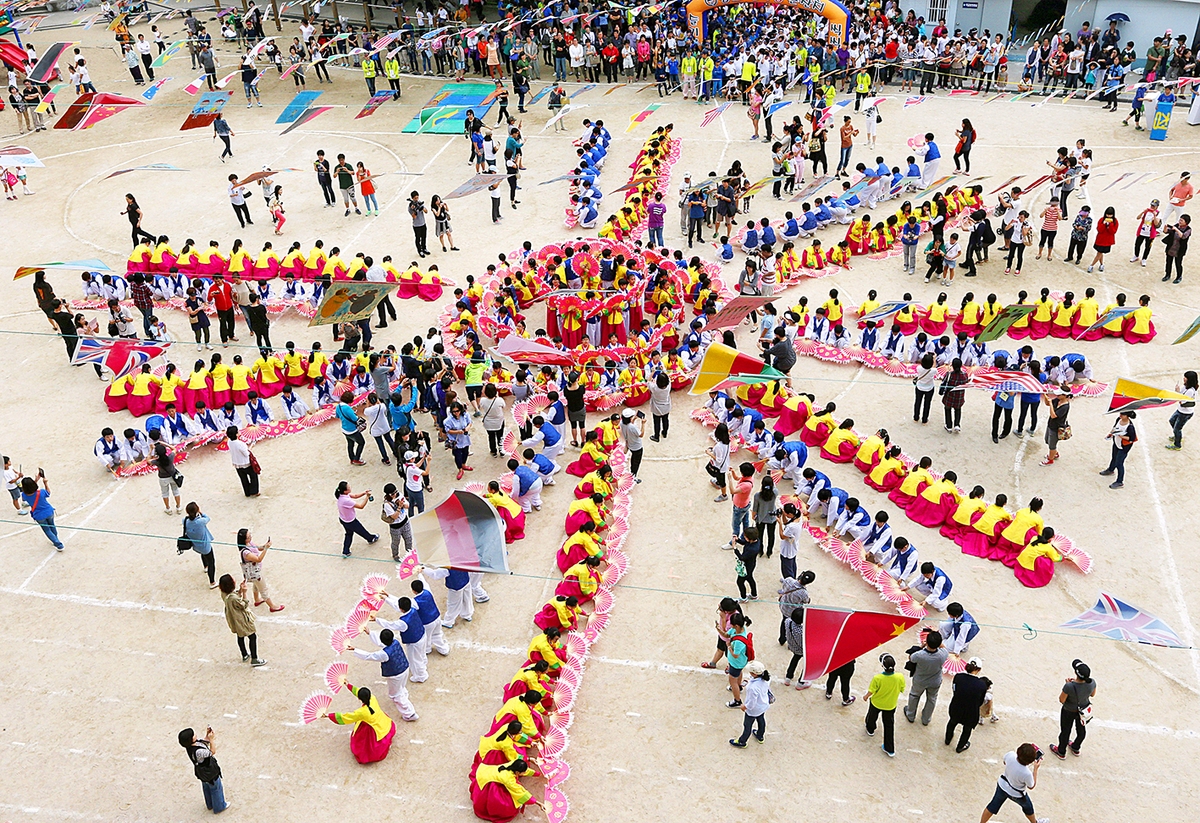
1118, 17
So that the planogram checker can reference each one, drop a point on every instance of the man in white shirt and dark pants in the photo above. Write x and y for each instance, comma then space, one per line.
239, 454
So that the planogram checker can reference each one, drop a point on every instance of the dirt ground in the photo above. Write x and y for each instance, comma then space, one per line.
114, 645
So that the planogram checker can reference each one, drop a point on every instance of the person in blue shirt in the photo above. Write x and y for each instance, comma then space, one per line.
352, 426
195, 529
725, 250
933, 156
881, 168
913, 174
824, 215
766, 233
543, 465
1004, 402
812, 483
910, 236
810, 224
751, 240
791, 228
1138, 106
427, 608
527, 490
696, 211
38, 501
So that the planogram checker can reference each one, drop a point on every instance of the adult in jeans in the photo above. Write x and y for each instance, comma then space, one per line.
492, 409
1123, 436
348, 515
1020, 775
656, 218
696, 211
195, 529
970, 692
1182, 415
457, 426
925, 382
1076, 697
847, 133
883, 694
953, 396
926, 667
379, 426
417, 210
756, 699
1058, 403
660, 406
166, 478
204, 765
633, 429
239, 455
1003, 402
395, 512
352, 426
38, 501
741, 486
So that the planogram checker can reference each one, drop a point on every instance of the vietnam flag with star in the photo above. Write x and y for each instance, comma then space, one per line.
834, 637
722, 363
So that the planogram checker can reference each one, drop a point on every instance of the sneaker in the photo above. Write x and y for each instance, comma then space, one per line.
1133, 259
347, 212
736, 743
721, 499
1090, 268
962, 747
1143, 264
957, 429
1117, 485
787, 681
1101, 267
256, 662
801, 686
1106, 472
733, 704
1059, 753
245, 658
870, 733
848, 702
759, 739
885, 751
1170, 447
728, 547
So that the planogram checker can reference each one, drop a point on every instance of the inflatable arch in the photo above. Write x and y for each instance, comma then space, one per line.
833, 11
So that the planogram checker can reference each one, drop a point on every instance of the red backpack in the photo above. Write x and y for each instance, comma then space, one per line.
748, 639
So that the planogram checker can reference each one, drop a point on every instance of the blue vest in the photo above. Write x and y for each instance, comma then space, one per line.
877, 532
178, 427
109, 448
798, 448
416, 628
258, 411
427, 607
544, 464
558, 415
869, 337
937, 572
525, 479
396, 663
550, 435
457, 580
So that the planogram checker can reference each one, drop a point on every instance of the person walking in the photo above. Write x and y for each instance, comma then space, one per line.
38, 502
747, 558
396, 515
883, 694
969, 693
134, 212
1076, 699
1186, 409
169, 478
1176, 239
1020, 775
240, 619
847, 133
1058, 401
925, 665
200, 751
953, 397
352, 428
417, 211
457, 427
660, 406
925, 382
633, 429
220, 294
195, 529
324, 178
251, 557
756, 699
260, 324
244, 463
1123, 435
348, 515
237, 197
221, 129
346, 179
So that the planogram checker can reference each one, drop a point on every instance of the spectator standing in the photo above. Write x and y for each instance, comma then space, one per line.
244, 462
417, 210
1076, 699
660, 406
251, 557
953, 396
756, 699
195, 529
352, 428
633, 429
220, 294
395, 514
324, 178
348, 515
1123, 435
200, 751
883, 694
925, 665
38, 501
1176, 239
237, 197
169, 478
1020, 775
1058, 401
240, 619
1186, 409
970, 692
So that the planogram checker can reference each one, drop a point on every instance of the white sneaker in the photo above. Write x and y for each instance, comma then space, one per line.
1143, 264
1101, 267
1133, 259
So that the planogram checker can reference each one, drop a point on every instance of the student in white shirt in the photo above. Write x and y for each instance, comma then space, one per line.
1020, 775
11, 478
950, 259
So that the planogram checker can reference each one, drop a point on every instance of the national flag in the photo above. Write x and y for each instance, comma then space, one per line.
964, 93
120, 356
149, 93
258, 77
308, 114
1115, 313
147, 167
713, 114
377, 100
914, 101
1018, 382
641, 116
68, 265
1006, 184
224, 81
296, 107
635, 184
475, 184
463, 532
520, 350
289, 71
1188, 333
578, 92
885, 310
1130, 396
774, 107
13, 156
194, 87
44, 106
834, 637
1002, 322
171, 51
206, 110
758, 185
742, 380
721, 362
1118, 620
91, 108
735, 311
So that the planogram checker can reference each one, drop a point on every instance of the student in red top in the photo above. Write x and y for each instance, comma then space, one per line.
1050, 217
741, 486
221, 296
1106, 237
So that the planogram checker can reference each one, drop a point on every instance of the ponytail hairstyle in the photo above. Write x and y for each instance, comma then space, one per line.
1035, 505
511, 730
888, 662
364, 694
342, 488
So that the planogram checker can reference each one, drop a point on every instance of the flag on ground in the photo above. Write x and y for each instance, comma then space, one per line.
308, 114
119, 356
834, 637
1130, 396
1109, 316
1118, 620
520, 350
296, 107
464, 532
721, 362
641, 116
1006, 381
914, 101
885, 310
1188, 333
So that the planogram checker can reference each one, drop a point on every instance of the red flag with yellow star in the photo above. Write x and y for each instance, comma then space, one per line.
834, 637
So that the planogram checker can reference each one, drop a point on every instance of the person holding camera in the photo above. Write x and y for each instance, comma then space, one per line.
633, 429
204, 765
1076, 699
1123, 436
1020, 775
925, 667
348, 515
195, 531
969, 694
38, 502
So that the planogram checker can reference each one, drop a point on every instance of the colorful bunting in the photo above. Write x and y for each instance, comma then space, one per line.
308, 114
721, 362
641, 116
464, 532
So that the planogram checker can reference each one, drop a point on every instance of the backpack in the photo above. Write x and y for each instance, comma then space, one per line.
748, 639
987, 233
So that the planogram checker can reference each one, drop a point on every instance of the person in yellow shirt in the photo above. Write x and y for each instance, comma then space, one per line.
964, 516
581, 580
1043, 315
496, 791
834, 310
883, 694
579, 546
314, 262
267, 372
141, 397
871, 451
1026, 524
168, 389
318, 362
888, 472
586, 510
372, 733
293, 363
560, 611
239, 381
936, 502
547, 646
1138, 327
912, 484
219, 373
239, 260
1064, 317
1086, 316
842, 443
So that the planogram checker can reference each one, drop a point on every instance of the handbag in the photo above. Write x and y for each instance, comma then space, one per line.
878, 118
1064, 432
178, 480
1085, 715
254, 466
183, 543
739, 569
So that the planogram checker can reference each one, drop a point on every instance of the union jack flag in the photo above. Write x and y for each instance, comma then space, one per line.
117, 355
1120, 621
914, 101
1006, 381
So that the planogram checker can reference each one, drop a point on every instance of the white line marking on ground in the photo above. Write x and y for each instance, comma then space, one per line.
95, 511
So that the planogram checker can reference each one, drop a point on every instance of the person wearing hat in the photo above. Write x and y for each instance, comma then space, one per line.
1123, 436
1058, 401
683, 204
1178, 197
883, 694
633, 428
970, 692
1076, 699
756, 699
1148, 225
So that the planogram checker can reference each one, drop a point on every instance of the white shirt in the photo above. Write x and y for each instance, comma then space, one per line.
788, 536
1017, 779
237, 194
239, 453
756, 696
376, 274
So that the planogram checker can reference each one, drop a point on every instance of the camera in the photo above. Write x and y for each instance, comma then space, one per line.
641, 415
370, 498
1040, 754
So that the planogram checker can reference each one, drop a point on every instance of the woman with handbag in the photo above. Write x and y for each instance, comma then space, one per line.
244, 463
352, 428
1076, 699
169, 478
1058, 401
195, 530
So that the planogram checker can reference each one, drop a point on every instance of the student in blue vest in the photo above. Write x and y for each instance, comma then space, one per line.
458, 594
412, 635
393, 666
108, 450
431, 618
547, 435
543, 465
38, 501
934, 584
557, 417
527, 491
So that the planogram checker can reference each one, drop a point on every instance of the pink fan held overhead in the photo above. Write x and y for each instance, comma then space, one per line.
408, 565
335, 675
338, 638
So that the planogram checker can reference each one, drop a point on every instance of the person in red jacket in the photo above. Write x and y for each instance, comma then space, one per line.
220, 294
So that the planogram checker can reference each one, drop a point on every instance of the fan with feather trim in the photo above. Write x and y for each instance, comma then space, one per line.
314, 706
556, 770
889, 590
603, 601
357, 620
843, 551
511, 443
338, 638
912, 608
335, 675
554, 742
1066, 547
564, 696
954, 665
575, 645
572, 677
373, 585
561, 720
595, 625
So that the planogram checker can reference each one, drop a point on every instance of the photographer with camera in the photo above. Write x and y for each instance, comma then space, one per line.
1020, 775
633, 429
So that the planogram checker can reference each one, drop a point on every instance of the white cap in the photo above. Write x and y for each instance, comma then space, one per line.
975, 661
410, 455
627, 414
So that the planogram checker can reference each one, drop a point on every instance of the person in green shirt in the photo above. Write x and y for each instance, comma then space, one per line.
1156, 57
345, 176
883, 694
473, 379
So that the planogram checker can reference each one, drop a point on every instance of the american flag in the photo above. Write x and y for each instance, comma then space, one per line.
1006, 381
713, 114
1118, 620
119, 356
914, 101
